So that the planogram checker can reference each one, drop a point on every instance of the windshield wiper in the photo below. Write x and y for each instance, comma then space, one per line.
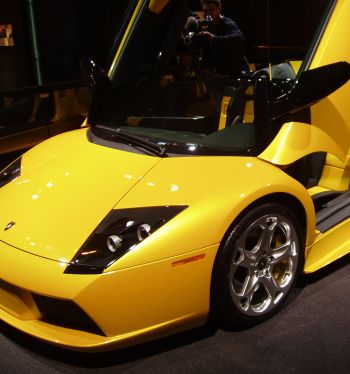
137, 141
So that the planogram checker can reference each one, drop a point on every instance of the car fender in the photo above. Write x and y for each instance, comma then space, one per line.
216, 191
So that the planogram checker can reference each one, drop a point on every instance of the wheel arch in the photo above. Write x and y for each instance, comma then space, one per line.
293, 203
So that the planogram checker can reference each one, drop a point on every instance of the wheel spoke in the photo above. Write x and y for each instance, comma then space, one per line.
244, 258
249, 285
270, 285
264, 243
283, 252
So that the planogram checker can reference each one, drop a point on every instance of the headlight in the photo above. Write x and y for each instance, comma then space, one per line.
118, 233
11, 172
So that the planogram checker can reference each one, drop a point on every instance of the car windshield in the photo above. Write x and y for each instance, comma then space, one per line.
162, 90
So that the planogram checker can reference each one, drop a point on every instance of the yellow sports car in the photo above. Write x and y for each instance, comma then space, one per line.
189, 193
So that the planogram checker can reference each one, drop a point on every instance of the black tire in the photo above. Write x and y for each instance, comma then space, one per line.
257, 266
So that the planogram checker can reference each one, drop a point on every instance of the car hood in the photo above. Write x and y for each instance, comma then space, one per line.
67, 187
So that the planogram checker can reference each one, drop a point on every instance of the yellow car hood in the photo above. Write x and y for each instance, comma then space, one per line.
57, 203
69, 185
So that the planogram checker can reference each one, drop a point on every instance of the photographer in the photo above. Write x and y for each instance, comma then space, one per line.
222, 40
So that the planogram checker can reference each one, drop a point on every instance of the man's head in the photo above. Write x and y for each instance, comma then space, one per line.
212, 8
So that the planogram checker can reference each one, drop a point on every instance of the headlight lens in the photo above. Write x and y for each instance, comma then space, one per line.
11, 172
118, 233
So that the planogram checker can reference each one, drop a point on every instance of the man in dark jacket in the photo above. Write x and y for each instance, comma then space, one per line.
225, 41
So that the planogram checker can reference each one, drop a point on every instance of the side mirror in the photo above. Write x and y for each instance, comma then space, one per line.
311, 86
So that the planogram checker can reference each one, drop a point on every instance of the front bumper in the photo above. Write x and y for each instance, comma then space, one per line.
117, 308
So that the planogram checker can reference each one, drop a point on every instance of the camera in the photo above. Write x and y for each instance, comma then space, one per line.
205, 22
194, 26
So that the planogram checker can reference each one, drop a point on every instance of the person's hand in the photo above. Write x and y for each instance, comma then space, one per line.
208, 35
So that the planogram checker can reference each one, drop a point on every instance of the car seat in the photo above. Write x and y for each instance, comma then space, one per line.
240, 106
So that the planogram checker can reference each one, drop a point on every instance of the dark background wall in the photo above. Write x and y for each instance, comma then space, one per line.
81, 28
14, 70
66, 31
70, 29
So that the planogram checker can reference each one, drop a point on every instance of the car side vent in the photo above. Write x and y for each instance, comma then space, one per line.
65, 313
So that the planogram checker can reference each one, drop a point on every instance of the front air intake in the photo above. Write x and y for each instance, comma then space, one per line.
65, 313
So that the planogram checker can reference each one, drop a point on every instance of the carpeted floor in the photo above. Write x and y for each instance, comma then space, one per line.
311, 335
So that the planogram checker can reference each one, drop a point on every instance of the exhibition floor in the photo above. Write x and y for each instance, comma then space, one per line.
310, 335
